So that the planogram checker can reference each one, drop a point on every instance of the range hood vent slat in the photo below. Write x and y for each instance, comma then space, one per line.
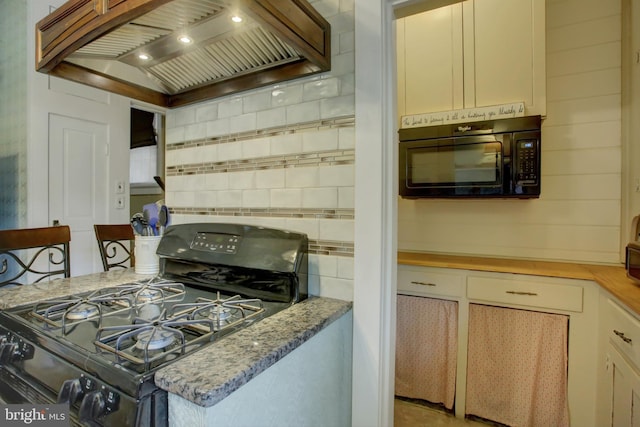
220, 57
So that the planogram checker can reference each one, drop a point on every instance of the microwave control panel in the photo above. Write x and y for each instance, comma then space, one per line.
526, 162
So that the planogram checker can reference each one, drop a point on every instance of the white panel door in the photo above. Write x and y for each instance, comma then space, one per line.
78, 185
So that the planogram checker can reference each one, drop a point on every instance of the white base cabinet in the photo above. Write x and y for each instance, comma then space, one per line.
577, 299
619, 386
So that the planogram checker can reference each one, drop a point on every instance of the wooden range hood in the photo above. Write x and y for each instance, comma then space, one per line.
99, 43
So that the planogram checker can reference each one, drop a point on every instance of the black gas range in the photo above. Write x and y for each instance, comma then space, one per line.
97, 351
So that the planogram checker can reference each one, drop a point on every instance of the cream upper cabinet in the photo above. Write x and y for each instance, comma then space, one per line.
476, 53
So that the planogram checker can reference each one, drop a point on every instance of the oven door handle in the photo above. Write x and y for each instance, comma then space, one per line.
70, 392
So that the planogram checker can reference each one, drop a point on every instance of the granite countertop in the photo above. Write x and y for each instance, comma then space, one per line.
612, 278
234, 361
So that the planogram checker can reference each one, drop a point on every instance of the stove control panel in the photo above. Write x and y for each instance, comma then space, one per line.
216, 242
12, 349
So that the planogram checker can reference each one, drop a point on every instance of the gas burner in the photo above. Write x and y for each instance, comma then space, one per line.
95, 306
147, 295
219, 313
82, 311
145, 342
154, 290
224, 312
148, 312
156, 338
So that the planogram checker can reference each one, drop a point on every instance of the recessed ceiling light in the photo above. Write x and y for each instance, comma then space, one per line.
236, 18
185, 39
144, 56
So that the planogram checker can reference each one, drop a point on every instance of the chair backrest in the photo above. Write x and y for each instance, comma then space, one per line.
34, 252
115, 242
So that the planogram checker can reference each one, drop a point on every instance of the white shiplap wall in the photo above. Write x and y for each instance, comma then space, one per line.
577, 217
279, 156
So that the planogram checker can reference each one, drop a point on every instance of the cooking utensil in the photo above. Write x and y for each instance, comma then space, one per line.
163, 217
137, 224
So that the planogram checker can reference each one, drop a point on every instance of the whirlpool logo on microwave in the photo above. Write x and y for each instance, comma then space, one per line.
34, 415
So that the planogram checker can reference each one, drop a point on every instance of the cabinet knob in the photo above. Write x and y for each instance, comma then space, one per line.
622, 336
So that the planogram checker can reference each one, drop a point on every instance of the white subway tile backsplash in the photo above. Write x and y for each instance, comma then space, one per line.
331, 287
183, 199
207, 199
346, 42
286, 198
347, 138
242, 180
323, 140
217, 181
346, 198
343, 64
207, 112
254, 148
306, 226
325, 197
301, 177
337, 106
286, 95
243, 123
174, 135
229, 151
326, 265
229, 198
345, 267
183, 116
279, 157
257, 101
341, 23
195, 131
286, 144
218, 127
321, 88
304, 112
339, 230
256, 198
230, 107
271, 118
337, 176
270, 178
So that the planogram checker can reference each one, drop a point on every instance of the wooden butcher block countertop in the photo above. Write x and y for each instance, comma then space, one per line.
613, 278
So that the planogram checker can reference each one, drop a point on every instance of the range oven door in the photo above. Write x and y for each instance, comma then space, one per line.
453, 167
31, 374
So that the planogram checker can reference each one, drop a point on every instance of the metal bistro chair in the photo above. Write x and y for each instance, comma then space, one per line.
23, 253
115, 242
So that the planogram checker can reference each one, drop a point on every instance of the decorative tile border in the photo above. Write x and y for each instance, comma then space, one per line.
330, 247
269, 212
322, 158
340, 122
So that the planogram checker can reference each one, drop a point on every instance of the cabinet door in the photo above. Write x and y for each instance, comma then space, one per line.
426, 349
626, 391
505, 58
430, 61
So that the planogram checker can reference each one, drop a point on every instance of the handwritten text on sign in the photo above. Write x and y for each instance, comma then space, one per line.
464, 116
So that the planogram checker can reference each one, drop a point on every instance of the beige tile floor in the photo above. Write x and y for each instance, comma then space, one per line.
408, 414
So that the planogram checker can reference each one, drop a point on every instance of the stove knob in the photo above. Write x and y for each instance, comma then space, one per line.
70, 392
8, 352
92, 408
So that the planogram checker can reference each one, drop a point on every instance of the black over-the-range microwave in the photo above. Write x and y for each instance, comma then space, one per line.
493, 159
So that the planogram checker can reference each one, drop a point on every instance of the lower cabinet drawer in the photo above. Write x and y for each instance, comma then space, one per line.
424, 281
526, 293
624, 331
